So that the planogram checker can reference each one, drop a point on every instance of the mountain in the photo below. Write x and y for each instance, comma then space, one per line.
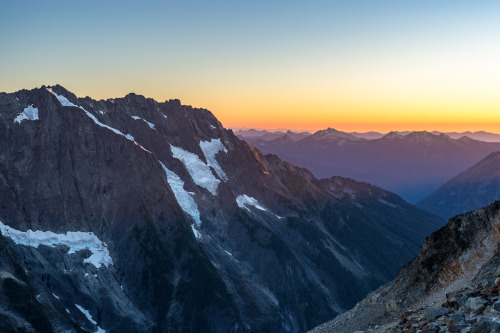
480, 135
412, 165
269, 135
130, 215
455, 276
367, 135
475, 187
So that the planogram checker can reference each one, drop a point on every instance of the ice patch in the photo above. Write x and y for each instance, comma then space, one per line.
75, 240
151, 125
184, 198
29, 113
244, 201
210, 149
199, 171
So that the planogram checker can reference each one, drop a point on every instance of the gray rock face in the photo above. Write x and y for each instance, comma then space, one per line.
433, 313
474, 304
204, 232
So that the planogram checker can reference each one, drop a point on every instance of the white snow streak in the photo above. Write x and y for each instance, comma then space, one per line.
75, 240
387, 203
91, 116
184, 198
64, 102
199, 171
29, 113
89, 317
244, 201
151, 125
195, 232
210, 149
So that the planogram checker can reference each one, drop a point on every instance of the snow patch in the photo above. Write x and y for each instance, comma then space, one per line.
210, 149
89, 317
387, 203
212, 126
151, 125
29, 113
75, 240
64, 102
101, 112
200, 172
184, 198
244, 201
195, 232
91, 116
164, 116
86, 313
55, 295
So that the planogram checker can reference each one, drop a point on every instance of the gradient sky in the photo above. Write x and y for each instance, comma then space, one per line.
352, 65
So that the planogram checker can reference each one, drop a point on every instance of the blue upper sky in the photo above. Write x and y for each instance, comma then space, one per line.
226, 55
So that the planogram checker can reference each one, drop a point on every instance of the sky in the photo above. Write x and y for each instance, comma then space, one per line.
352, 65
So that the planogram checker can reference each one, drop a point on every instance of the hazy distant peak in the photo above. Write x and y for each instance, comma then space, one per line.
333, 134
392, 135
465, 138
283, 139
424, 136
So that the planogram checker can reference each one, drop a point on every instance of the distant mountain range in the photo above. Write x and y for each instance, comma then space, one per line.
412, 165
476, 187
269, 135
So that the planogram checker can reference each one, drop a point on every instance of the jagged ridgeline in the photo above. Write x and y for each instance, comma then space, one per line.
130, 215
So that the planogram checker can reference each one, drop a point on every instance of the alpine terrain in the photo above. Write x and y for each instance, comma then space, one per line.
130, 215
476, 187
452, 286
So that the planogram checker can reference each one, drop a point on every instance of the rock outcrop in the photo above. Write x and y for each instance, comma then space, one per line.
452, 285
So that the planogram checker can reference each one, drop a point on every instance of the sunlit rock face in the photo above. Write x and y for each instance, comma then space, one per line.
132, 215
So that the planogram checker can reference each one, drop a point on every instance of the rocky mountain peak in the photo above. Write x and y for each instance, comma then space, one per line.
331, 134
191, 229
392, 135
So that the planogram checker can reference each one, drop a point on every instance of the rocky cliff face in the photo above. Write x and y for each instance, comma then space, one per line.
453, 278
473, 188
130, 215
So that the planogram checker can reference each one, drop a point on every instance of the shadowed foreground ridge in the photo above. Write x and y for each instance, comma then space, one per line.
151, 217
455, 274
